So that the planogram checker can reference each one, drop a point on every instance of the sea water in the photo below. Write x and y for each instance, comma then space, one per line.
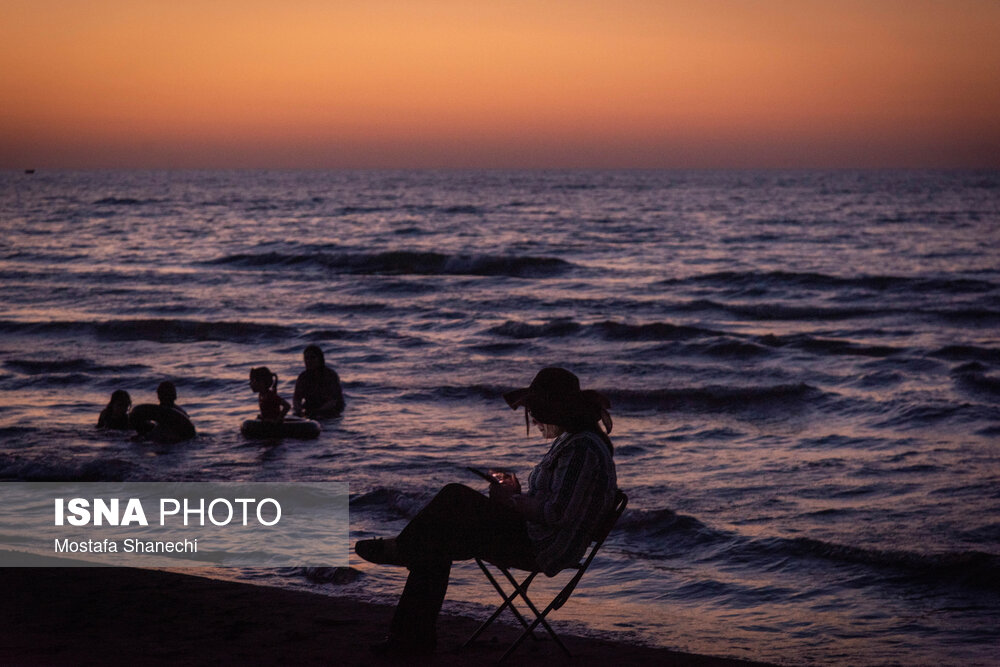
804, 370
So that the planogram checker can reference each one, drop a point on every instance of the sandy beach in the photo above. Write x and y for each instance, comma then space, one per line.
121, 616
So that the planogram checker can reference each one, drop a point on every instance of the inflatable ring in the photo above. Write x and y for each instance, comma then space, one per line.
290, 427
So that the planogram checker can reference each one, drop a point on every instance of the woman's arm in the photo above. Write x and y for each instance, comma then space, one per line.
528, 506
577, 482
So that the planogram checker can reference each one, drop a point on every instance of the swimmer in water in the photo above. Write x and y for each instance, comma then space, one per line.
115, 415
317, 391
273, 407
166, 423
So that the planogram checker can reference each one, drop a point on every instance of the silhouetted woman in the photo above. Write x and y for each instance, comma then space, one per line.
317, 390
549, 528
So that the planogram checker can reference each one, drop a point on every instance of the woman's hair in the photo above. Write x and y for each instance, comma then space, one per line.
263, 375
585, 418
315, 351
120, 396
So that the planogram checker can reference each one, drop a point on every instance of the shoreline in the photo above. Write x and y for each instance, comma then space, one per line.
118, 616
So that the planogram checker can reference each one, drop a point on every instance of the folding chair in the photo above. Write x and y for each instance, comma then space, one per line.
521, 589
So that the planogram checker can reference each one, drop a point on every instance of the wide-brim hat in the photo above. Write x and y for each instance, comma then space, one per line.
555, 397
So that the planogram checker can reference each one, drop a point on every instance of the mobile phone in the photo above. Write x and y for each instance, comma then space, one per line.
488, 477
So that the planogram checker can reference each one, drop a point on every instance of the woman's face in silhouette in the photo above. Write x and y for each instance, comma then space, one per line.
312, 361
548, 431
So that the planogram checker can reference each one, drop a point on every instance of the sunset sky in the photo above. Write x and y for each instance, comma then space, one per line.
500, 83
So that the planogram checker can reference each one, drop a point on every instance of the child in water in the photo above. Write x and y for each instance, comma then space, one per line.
273, 408
115, 415
165, 423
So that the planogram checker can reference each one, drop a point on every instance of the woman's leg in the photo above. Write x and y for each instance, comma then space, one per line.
459, 523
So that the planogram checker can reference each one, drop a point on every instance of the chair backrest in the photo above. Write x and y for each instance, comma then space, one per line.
604, 528
601, 534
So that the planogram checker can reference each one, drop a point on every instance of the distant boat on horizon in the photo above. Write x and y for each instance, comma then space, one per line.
29, 171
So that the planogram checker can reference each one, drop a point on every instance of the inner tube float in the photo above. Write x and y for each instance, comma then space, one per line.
160, 423
290, 427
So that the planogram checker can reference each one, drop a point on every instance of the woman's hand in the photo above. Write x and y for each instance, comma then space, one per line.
507, 480
504, 488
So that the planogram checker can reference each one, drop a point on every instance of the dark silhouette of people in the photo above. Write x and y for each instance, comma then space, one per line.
115, 415
273, 407
317, 390
548, 528
166, 423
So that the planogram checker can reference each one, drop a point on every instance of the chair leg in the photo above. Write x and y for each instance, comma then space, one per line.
508, 602
539, 619
520, 590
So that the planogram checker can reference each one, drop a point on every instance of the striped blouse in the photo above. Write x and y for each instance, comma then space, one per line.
574, 488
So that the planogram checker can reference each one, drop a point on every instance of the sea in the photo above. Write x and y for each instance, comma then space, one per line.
803, 367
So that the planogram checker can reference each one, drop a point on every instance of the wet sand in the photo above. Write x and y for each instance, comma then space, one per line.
121, 616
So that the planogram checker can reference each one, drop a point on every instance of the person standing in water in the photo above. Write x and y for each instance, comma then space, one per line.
317, 389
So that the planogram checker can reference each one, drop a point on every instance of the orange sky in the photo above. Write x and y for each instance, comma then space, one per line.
499, 83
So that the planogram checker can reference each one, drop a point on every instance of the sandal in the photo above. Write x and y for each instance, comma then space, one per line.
379, 551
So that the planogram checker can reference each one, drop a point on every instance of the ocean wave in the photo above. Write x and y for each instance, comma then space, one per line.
354, 210
10, 433
976, 316
449, 209
877, 283
978, 382
463, 209
712, 399
918, 415
162, 330
829, 346
968, 353
681, 536
659, 522
125, 201
655, 331
46, 258
780, 312
525, 330
320, 335
404, 262
46, 367
651, 331
52, 469
976, 569
724, 345
837, 441
53, 380
495, 348
735, 349
370, 307
456, 392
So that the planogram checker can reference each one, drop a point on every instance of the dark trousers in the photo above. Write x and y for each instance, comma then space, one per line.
458, 524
